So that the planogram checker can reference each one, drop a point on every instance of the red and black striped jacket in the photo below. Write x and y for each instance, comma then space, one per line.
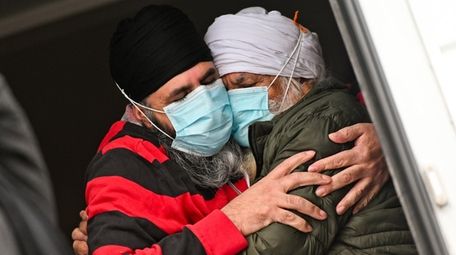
140, 202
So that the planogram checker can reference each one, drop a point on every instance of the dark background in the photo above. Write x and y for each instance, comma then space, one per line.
59, 73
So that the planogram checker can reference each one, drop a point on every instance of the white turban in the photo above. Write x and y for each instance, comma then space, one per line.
261, 42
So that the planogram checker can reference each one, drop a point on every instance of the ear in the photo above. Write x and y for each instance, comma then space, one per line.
137, 113
307, 85
308, 82
139, 116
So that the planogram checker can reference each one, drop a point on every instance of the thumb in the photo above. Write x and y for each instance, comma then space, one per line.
346, 134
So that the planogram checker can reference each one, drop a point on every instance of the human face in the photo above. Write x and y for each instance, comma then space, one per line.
177, 89
245, 80
275, 92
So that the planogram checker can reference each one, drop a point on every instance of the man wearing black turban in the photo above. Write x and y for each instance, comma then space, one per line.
148, 50
163, 181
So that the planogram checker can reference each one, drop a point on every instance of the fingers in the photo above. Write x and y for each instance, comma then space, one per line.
78, 235
370, 193
83, 226
83, 215
350, 133
302, 205
291, 163
342, 179
80, 248
288, 218
339, 160
354, 195
299, 179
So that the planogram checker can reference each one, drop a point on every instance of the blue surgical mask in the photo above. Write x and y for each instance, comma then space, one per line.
202, 120
249, 105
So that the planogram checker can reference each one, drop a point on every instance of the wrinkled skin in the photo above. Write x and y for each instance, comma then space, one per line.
364, 164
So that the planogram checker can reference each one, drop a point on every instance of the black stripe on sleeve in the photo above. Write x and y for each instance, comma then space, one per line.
119, 229
116, 228
184, 242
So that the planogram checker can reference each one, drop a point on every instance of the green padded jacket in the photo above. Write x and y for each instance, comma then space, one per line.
380, 228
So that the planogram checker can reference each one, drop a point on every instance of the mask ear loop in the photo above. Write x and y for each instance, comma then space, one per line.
288, 60
137, 105
134, 102
291, 75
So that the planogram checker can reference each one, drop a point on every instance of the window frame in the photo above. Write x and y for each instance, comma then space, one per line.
402, 164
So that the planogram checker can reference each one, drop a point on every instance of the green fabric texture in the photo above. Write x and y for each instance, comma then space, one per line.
380, 228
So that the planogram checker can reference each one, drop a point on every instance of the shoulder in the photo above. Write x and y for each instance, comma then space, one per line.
126, 154
337, 103
130, 159
331, 105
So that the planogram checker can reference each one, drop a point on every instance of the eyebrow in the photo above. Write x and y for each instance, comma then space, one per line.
176, 92
244, 80
239, 80
187, 87
209, 73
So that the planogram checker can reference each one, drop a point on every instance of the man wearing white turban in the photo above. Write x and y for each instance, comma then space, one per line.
254, 41
282, 103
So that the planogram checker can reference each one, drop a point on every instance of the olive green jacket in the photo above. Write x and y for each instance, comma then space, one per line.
380, 228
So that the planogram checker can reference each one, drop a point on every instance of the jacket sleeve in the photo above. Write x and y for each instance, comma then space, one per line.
380, 228
308, 134
124, 220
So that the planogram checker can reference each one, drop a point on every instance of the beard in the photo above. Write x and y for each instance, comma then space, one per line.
289, 97
208, 172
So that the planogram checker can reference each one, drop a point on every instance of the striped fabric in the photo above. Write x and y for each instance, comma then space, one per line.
140, 202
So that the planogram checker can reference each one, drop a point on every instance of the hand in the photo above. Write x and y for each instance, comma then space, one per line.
79, 236
267, 200
364, 164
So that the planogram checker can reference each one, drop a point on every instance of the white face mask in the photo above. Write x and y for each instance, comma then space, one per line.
202, 120
250, 105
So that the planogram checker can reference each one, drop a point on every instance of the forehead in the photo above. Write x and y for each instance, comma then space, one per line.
191, 76
199, 69
184, 83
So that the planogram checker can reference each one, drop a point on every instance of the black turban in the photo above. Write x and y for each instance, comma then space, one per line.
148, 50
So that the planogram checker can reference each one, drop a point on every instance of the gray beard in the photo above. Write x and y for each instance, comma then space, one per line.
208, 172
292, 96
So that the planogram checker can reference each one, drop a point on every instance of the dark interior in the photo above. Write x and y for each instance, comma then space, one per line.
59, 73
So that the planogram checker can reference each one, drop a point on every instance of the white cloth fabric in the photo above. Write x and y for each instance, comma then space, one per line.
261, 42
